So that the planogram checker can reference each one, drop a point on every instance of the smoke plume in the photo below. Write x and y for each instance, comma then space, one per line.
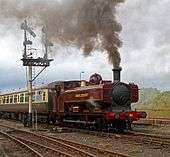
87, 24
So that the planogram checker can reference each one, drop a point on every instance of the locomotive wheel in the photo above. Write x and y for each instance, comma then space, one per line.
120, 125
130, 125
60, 121
51, 118
100, 124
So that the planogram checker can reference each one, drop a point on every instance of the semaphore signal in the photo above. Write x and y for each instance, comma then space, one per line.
29, 61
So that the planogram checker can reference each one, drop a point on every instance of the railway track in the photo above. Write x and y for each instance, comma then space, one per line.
50, 146
37, 149
96, 151
21, 144
147, 138
153, 121
138, 137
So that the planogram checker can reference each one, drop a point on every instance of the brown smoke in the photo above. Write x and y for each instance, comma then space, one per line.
88, 24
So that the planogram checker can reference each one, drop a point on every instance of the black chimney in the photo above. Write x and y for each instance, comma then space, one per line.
116, 73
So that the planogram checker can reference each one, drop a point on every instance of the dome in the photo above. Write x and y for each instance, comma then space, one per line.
95, 79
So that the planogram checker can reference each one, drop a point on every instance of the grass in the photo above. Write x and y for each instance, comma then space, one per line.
154, 102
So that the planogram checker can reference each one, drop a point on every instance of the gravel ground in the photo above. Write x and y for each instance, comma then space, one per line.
116, 144
2, 151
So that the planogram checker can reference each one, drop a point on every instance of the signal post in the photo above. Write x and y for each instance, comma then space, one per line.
30, 94
29, 61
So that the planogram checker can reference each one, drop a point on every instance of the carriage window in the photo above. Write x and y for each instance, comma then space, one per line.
7, 99
11, 99
39, 92
3, 100
15, 98
18, 98
22, 97
38, 96
44, 94
26, 97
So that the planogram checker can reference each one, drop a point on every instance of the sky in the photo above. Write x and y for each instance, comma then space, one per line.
145, 53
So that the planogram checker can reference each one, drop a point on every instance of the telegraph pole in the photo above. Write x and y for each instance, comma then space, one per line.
29, 61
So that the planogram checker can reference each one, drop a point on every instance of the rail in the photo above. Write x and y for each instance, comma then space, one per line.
74, 149
21, 143
130, 136
153, 121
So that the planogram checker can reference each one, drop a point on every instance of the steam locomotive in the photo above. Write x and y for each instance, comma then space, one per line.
97, 103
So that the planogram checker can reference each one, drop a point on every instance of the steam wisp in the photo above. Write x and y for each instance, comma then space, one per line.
87, 24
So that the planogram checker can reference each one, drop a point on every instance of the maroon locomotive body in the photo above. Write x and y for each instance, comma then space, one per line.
98, 103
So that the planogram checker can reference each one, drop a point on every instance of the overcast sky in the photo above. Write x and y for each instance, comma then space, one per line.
145, 53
